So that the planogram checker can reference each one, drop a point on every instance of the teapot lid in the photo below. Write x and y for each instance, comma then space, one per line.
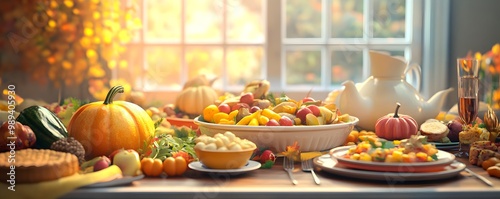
383, 65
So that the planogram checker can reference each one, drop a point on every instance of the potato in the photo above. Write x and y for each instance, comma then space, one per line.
222, 148
200, 145
230, 135
211, 146
235, 147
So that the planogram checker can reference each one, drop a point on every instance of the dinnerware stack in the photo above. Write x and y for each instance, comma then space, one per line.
444, 167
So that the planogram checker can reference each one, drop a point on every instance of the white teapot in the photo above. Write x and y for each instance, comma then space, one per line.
377, 96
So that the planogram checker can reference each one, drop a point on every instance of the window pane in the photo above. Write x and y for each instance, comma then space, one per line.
347, 65
245, 21
347, 18
389, 18
130, 66
136, 5
244, 64
163, 67
204, 61
203, 20
303, 67
163, 20
303, 19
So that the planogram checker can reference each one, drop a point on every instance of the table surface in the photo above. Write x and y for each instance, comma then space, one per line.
274, 183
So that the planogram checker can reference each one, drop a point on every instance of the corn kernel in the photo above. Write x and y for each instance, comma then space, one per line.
365, 157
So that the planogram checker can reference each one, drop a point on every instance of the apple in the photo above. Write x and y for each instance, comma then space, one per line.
247, 98
111, 156
301, 114
272, 122
253, 109
315, 110
102, 163
267, 155
455, 128
224, 108
237, 106
285, 121
308, 99
169, 109
128, 161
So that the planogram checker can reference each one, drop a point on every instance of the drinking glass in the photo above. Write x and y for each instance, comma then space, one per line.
468, 102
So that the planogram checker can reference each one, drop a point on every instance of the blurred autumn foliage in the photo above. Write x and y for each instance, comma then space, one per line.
66, 43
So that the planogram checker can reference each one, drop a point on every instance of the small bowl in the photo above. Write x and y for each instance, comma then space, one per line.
277, 138
214, 159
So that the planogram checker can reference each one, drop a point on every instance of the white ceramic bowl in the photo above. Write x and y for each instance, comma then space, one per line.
277, 138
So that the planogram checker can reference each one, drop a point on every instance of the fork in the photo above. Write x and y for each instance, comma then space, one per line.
288, 167
307, 166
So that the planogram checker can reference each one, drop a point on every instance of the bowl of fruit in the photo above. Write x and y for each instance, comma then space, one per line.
314, 125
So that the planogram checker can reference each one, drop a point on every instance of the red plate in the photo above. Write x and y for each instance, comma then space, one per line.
178, 122
444, 159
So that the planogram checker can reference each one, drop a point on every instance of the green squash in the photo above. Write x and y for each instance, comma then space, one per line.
47, 127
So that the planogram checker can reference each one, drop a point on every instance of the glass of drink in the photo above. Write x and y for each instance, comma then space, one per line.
468, 102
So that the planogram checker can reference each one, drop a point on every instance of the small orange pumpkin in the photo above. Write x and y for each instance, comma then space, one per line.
193, 100
105, 126
396, 127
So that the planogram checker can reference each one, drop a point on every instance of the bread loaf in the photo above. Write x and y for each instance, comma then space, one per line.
434, 130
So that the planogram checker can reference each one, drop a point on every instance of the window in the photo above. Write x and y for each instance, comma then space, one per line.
298, 45
221, 39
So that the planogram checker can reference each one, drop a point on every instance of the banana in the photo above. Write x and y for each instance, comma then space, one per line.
285, 107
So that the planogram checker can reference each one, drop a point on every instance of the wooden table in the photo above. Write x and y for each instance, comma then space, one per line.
275, 183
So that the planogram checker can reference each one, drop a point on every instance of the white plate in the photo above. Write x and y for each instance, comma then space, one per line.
117, 182
330, 165
443, 159
251, 165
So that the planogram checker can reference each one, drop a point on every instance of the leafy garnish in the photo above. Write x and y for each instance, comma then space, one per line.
387, 145
271, 98
158, 122
167, 145
267, 165
434, 157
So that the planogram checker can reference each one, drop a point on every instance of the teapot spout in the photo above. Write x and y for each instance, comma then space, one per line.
350, 96
436, 102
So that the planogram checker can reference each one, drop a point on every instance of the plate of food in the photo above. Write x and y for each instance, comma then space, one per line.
126, 180
412, 155
327, 164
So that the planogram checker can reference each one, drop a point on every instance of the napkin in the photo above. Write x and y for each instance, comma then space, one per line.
59, 187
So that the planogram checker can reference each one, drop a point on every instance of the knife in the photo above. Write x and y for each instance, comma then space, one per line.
486, 181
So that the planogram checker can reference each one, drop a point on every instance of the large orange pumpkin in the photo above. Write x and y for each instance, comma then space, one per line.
103, 127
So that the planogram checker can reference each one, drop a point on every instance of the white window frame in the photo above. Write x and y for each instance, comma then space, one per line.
412, 45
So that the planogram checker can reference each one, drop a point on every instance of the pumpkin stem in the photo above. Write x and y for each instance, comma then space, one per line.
111, 94
397, 109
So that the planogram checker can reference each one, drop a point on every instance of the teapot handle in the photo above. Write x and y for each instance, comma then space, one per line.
415, 73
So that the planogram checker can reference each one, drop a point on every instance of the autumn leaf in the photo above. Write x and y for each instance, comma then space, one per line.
292, 151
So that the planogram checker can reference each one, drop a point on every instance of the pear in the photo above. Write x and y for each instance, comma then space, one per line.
328, 115
311, 119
